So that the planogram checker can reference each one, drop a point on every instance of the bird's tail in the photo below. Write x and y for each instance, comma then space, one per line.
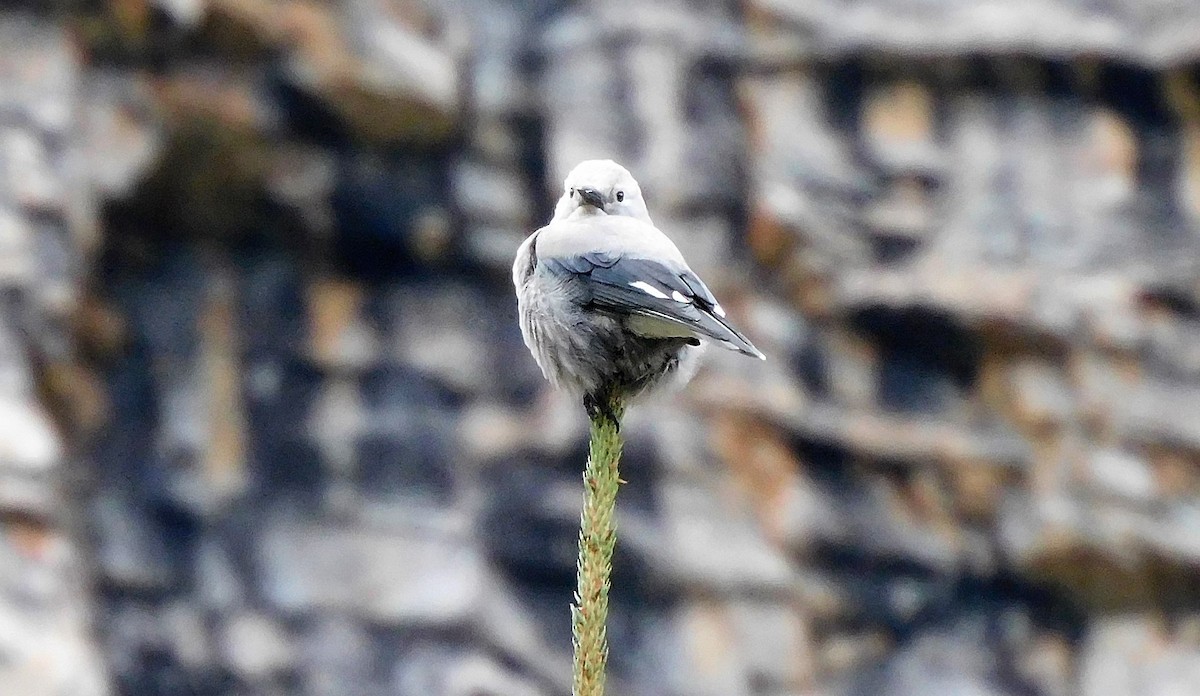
719, 330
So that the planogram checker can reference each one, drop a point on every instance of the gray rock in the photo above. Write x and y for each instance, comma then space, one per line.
490, 194
16, 248
915, 29
266, 246
338, 655
256, 647
27, 173
432, 340
336, 422
219, 585
433, 669
41, 72
1122, 474
775, 645
183, 631
1127, 655
1162, 411
130, 554
706, 546
704, 657
30, 453
414, 576
42, 615
958, 661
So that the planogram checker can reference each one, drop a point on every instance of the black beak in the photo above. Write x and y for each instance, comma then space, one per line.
591, 196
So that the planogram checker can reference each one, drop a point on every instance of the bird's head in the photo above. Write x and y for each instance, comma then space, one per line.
601, 187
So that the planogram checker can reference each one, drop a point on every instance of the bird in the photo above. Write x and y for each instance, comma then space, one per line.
607, 304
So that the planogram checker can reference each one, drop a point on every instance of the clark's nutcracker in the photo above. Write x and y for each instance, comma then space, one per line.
607, 304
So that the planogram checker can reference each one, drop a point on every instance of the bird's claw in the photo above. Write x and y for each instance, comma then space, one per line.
599, 408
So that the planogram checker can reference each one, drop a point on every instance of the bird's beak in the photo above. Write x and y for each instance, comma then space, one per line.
591, 196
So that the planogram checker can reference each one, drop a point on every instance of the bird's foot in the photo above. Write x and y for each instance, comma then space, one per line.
599, 408
592, 406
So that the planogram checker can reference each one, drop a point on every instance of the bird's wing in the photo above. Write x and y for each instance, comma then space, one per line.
664, 290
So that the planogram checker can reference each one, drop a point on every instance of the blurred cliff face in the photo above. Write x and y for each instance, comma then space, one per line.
267, 425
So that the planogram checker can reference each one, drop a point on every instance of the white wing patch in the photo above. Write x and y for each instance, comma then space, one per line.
719, 310
648, 289
680, 297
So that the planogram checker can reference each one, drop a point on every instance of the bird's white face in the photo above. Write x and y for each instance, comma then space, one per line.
601, 187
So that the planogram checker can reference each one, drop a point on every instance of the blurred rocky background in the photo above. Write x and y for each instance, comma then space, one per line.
267, 425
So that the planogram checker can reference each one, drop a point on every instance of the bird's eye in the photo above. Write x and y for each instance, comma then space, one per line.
572, 192
620, 196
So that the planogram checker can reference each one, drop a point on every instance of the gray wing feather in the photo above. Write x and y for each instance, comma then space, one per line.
615, 283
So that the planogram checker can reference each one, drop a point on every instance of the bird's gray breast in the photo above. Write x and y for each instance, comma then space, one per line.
553, 324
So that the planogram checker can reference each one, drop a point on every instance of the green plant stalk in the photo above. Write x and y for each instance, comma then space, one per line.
597, 539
